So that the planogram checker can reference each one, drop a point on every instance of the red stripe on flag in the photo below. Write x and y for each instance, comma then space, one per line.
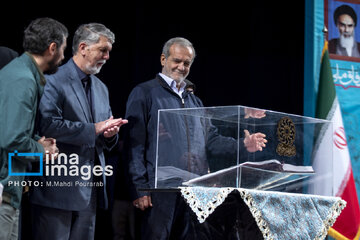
348, 223
341, 138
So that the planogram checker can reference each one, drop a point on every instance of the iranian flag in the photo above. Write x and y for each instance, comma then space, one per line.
347, 225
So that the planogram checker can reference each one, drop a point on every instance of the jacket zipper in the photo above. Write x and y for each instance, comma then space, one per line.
189, 168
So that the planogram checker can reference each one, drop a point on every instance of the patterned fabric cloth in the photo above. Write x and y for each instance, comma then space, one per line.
278, 215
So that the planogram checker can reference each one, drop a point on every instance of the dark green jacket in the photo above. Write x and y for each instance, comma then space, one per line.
21, 86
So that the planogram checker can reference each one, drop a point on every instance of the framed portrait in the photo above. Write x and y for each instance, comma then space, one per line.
342, 19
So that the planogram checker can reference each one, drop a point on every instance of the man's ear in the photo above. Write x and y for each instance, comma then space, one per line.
52, 48
162, 60
82, 48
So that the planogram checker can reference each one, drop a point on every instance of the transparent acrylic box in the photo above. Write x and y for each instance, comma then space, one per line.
205, 147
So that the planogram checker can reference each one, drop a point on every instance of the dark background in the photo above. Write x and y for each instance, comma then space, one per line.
248, 53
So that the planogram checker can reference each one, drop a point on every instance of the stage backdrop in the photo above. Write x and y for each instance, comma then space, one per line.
319, 16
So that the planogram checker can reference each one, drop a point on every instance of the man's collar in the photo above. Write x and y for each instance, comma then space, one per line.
171, 82
80, 73
42, 77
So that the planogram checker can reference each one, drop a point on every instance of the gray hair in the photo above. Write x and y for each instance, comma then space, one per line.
179, 41
90, 34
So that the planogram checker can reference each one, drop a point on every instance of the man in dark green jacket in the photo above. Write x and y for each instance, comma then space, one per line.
21, 86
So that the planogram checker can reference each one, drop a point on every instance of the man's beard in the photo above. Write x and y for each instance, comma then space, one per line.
53, 65
94, 69
178, 77
347, 42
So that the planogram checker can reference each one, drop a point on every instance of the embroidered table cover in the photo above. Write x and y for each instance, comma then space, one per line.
278, 215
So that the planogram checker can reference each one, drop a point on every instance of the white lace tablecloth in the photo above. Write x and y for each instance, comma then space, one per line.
278, 215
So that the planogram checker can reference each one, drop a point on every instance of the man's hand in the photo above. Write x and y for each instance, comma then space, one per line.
254, 142
111, 131
49, 145
109, 127
143, 202
254, 113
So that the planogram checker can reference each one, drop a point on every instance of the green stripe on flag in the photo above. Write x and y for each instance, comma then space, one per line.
326, 94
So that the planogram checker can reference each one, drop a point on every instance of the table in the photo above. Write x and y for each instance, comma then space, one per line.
278, 215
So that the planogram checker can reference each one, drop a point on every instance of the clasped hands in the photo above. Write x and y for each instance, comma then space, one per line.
49, 145
109, 127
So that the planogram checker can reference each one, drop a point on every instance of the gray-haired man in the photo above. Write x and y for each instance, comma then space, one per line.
75, 110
